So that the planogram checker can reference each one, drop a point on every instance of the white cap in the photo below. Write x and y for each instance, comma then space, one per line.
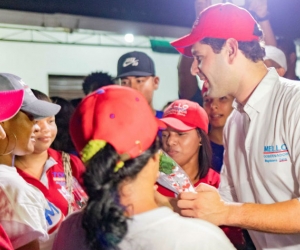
275, 54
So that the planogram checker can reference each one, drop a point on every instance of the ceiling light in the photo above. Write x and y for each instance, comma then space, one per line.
129, 38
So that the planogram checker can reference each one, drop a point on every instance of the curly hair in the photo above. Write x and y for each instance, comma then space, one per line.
95, 81
63, 141
103, 220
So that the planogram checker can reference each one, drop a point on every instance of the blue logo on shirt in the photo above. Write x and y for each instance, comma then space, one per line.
275, 153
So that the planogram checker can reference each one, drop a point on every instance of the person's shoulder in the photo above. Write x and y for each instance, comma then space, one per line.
71, 235
55, 154
198, 234
288, 92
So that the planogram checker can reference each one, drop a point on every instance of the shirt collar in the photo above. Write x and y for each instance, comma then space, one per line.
260, 92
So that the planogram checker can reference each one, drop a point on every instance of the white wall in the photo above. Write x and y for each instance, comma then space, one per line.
34, 62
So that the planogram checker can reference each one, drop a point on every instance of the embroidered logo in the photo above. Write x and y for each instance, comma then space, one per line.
26, 87
276, 153
131, 61
177, 109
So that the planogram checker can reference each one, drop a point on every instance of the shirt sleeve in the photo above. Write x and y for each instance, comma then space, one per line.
22, 216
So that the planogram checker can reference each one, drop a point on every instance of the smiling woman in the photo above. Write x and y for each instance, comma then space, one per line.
23, 209
47, 169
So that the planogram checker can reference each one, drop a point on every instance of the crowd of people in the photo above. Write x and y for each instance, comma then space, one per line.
82, 174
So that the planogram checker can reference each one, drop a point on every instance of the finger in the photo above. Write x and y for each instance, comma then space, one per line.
203, 187
187, 196
185, 204
187, 213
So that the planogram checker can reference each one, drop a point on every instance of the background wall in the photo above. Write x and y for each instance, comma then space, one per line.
34, 62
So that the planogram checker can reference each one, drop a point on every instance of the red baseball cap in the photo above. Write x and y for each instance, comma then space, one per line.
11, 102
222, 21
184, 115
118, 115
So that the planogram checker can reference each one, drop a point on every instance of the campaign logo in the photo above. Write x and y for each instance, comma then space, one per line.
177, 109
59, 178
53, 216
276, 153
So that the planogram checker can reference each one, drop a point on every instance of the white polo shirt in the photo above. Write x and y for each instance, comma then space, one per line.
262, 152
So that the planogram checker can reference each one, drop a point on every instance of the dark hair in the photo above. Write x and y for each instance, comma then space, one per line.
252, 50
63, 140
40, 95
103, 219
95, 81
205, 155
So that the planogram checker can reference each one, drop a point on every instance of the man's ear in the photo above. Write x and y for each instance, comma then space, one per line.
156, 82
2, 133
231, 48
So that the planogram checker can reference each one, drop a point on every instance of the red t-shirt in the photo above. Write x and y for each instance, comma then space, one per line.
56, 179
5, 243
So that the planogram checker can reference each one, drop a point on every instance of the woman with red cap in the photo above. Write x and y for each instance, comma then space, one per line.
11, 103
185, 140
122, 159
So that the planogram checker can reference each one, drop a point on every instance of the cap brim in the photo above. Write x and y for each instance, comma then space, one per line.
176, 124
41, 109
160, 124
11, 102
184, 44
135, 73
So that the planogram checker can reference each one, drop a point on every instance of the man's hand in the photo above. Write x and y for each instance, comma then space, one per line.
260, 7
206, 204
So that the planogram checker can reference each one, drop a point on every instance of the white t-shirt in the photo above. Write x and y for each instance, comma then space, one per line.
25, 214
160, 228
262, 152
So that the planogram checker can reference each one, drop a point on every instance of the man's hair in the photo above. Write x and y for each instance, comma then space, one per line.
95, 81
252, 50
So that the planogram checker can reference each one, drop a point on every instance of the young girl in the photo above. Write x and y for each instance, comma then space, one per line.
115, 131
186, 141
218, 110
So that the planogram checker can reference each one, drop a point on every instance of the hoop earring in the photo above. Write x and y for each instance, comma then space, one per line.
13, 147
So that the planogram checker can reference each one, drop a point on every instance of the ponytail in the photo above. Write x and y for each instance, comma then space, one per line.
103, 219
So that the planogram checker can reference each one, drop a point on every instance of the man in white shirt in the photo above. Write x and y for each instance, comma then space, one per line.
260, 178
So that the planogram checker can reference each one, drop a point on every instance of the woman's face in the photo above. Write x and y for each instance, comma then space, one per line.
20, 134
217, 109
46, 135
183, 147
